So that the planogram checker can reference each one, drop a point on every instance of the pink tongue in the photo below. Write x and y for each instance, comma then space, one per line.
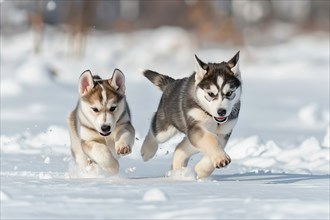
220, 118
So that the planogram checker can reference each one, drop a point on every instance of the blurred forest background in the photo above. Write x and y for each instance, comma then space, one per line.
239, 22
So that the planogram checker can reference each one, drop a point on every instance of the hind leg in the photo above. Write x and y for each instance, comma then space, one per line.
159, 132
204, 167
182, 153
149, 146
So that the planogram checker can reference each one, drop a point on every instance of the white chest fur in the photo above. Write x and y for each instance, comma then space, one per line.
210, 124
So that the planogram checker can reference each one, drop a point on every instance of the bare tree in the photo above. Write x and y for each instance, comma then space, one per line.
37, 23
80, 20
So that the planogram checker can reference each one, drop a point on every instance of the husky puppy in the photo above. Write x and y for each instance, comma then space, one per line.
100, 125
204, 106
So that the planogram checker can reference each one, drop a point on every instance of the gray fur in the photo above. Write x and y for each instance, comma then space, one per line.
159, 80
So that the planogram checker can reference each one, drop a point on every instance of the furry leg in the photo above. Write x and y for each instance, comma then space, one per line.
204, 167
159, 132
149, 146
102, 156
182, 153
81, 159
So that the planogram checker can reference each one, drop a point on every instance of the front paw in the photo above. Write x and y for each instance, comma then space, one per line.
123, 149
221, 161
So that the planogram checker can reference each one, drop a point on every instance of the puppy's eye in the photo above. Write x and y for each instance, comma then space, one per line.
211, 94
95, 109
228, 94
113, 108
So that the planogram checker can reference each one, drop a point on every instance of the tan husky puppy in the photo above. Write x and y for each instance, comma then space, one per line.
100, 125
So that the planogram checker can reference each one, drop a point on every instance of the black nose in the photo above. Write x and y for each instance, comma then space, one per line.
105, 128
222, 112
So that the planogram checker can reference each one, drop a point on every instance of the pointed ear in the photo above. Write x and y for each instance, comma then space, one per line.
233, 64
117, 81
86, 82
200, 68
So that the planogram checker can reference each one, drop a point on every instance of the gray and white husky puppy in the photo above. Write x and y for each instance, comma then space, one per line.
100, 125
204, 106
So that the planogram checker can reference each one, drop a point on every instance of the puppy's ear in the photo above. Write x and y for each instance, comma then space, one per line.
86, 82
117, 81
233, 64
200, 68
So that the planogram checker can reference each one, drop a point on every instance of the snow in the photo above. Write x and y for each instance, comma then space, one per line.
154, 195
326, 140
279, 148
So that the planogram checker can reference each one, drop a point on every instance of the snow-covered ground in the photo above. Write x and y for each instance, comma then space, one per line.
279, 148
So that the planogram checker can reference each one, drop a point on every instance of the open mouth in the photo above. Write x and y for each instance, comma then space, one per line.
105, 134
220, 120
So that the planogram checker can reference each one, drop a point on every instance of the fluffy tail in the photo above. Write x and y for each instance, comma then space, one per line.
158, 79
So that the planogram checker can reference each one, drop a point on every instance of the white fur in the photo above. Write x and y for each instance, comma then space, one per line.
165, 135
204, 167
104, 96
220, 81
214, 105
197, 114
182, 153
235, 69
226, 88
227, 127
149, 146
200, 72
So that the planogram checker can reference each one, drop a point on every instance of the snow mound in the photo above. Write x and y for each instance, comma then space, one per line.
54, 135
252, 153
312, 115
55, 139
308, 157
154, 195
34, 72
